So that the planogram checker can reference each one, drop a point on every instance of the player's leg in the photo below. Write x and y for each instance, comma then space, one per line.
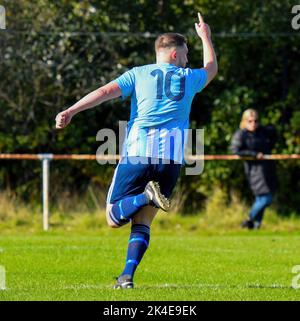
137, 245
145, 216
130, 191
122, 211
126, 194
166, 175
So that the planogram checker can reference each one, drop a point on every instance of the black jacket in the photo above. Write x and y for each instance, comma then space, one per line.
261, 174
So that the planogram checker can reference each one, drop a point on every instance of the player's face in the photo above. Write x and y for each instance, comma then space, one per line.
182, 56
252, 123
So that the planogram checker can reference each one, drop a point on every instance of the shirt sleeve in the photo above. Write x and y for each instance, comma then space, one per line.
126, 82
199, 79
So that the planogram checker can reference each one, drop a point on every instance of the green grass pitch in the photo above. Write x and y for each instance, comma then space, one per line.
177, 266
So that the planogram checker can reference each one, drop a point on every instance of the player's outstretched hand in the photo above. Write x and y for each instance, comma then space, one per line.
63, 119
202, 28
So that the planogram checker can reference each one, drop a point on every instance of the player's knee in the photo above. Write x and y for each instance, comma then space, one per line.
112, 225
109, 221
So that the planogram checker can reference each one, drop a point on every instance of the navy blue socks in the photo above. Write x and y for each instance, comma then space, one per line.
123, 210
137, 246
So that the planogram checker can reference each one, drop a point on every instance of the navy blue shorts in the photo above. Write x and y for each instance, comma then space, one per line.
131, 179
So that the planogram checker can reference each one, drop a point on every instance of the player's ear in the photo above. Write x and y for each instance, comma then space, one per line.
174, 54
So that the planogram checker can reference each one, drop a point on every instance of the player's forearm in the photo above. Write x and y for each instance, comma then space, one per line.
89, 101
209, 56
95, 98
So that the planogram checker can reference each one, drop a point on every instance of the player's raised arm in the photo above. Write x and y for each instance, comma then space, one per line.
209, 55
96, 97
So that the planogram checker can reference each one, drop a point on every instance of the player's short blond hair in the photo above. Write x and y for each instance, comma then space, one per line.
246, 114
169, 40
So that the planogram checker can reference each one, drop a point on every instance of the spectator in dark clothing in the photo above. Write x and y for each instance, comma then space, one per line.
255, 140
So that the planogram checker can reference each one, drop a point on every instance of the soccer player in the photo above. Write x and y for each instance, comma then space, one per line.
161, 97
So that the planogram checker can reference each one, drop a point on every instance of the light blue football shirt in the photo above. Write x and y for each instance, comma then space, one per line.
161, 97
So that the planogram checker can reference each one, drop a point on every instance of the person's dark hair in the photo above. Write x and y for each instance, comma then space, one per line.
169, 40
